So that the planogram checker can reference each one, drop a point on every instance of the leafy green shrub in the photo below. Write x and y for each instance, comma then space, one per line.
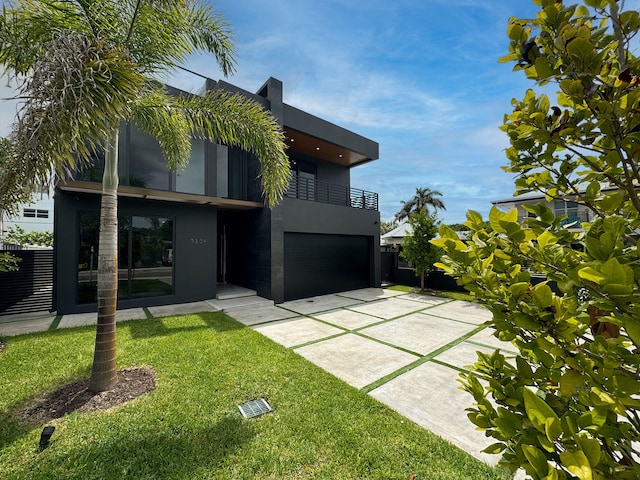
18, 236
567, 406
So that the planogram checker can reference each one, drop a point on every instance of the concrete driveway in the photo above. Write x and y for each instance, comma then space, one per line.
405, 350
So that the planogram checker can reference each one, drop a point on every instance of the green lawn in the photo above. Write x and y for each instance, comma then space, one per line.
190, 427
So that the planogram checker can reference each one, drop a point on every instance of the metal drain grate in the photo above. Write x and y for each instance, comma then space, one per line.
254, 408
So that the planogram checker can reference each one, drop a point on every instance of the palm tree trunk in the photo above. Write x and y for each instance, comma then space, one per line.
104, 372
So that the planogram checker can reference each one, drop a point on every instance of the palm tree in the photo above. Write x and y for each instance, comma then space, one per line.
87, 66
424, 197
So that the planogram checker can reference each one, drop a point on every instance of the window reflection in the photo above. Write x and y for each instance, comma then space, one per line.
145, 257
191, 179
147, 166
151, 257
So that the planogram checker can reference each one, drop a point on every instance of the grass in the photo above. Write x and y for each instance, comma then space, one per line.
439, 293
190, 427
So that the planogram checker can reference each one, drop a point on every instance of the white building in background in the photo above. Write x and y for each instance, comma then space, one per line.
36, 216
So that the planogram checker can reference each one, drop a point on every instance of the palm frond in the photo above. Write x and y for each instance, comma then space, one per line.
156, 114
79, 89
27, 26
180, 27
234, 120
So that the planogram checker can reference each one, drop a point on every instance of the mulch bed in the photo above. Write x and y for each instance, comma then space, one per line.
75, 397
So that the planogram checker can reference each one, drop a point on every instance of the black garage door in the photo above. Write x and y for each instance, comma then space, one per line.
316, 264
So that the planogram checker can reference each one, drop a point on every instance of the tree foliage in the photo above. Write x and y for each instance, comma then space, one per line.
424, 197
386, 227
567, 406
8, 262
416, 248
18, 236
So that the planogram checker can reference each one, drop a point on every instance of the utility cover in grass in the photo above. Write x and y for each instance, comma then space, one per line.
254, 408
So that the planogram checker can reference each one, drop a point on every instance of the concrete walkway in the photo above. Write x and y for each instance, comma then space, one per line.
405, 350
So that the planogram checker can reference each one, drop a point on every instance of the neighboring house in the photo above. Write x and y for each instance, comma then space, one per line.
392, 240
36, 216
182, 234
574, 212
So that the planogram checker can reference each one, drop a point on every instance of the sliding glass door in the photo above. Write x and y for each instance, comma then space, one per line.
145, 256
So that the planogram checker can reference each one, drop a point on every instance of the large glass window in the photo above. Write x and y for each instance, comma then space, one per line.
145, 257
147, 165
191, 179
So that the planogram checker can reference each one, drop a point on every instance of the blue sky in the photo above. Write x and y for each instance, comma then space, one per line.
420, 77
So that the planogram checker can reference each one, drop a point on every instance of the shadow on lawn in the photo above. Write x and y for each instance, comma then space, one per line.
162, 452
156, 327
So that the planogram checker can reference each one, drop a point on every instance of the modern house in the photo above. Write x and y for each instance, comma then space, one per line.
574, 212
182, 234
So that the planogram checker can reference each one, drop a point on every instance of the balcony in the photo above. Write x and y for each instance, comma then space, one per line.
572, 219
315, 191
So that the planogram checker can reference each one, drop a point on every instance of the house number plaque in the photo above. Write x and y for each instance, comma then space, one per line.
198, 241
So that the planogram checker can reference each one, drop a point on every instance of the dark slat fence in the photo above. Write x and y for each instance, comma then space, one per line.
30, 289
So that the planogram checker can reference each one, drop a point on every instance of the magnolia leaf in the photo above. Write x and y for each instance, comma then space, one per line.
537, 459
581, 48
570, 382
495, 448
519, 288
547, 238
538, 412
577, 464
542, 295
543, 67
473, 219
591, 449
632, 326
592, 275
516, 32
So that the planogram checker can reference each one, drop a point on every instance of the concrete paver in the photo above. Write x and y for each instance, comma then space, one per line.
84, 319
194, 307
26, 326
347, 319
371, 294
389, 307
462, 311
430, 396
321, 303
463, 355
418, 332
356, 360
297, 331
428, 299
485, 337
253, 316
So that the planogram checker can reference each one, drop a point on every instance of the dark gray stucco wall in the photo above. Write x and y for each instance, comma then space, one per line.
194, 249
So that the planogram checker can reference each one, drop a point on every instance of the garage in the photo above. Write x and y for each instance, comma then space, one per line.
317, 264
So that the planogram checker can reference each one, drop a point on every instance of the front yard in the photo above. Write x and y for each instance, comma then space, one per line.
190, 425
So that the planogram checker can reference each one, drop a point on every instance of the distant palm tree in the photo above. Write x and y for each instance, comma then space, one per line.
424, 197
89, 65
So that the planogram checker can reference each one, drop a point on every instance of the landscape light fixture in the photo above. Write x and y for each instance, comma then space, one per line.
46, 435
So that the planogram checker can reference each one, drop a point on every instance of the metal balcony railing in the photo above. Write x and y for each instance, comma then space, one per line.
307, 189
570, 218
